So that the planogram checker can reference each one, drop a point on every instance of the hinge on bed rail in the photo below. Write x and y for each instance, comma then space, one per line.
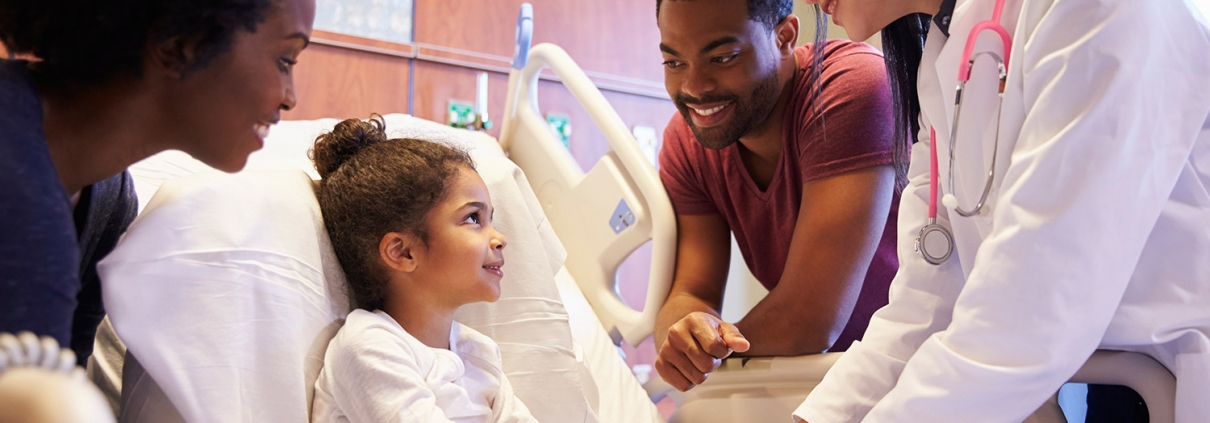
615, 336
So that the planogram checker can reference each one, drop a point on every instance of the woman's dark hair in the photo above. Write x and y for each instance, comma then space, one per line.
372, 186
816, 75
89, 41
903, 45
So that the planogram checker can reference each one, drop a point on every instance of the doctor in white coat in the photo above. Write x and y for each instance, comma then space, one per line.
1095, 233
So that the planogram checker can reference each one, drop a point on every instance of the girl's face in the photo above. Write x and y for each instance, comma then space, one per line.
464, 260
862, 18
224, 110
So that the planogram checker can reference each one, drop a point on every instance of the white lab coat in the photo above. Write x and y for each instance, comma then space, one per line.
1096, 233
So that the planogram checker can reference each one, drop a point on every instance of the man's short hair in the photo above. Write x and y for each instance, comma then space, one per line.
768, 12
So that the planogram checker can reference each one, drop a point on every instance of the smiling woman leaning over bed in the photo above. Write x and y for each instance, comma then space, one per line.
116, 82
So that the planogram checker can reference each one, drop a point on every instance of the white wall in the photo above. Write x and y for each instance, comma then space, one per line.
743, 290
806, 27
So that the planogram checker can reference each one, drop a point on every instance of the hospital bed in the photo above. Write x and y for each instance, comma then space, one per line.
226, 290
249, 252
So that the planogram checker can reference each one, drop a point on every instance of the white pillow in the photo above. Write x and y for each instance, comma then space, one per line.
227, 291
289, 142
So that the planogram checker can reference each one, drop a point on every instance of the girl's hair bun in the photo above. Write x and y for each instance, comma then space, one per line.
348, 138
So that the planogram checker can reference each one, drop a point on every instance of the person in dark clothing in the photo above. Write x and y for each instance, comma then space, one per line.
106, 85
101, 215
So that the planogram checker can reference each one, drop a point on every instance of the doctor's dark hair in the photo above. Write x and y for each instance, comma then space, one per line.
372, 186
90, 41
768, 12
903, 45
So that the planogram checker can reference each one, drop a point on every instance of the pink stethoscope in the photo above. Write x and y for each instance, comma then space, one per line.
935, 242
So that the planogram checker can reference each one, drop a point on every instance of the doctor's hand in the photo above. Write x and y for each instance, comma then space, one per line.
696, 346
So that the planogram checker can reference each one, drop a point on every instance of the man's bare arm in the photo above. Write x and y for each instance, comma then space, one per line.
703, 252
690, 337
840, 223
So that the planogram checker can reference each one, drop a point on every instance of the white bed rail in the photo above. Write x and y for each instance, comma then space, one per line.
1136, 371
603, 215
770, 388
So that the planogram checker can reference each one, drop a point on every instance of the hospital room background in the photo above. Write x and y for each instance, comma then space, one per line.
434, 59
448, 61
426, 58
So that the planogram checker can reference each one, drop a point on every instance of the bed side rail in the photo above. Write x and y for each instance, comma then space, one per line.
774, 386
600, 216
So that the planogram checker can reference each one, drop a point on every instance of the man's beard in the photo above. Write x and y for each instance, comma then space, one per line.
746, 115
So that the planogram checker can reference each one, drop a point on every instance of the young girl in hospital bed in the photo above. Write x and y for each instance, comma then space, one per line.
411, 224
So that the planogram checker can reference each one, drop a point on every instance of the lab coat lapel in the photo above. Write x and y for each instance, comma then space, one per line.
928, 85
944, 55
938, 86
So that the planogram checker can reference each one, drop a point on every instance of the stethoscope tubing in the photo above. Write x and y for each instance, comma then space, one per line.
932, 228
950, 200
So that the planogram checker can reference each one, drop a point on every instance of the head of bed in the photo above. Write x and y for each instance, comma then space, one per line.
226, 290
179, 322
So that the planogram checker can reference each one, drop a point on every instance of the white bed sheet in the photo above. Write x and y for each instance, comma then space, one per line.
619, 397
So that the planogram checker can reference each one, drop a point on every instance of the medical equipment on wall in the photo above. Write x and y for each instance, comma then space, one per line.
935, 243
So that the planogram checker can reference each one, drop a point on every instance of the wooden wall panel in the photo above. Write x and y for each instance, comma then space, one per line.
343, 83
587, 142
616, 37
437, 83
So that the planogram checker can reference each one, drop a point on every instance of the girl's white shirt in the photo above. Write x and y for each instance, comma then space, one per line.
376, 372
1097, 229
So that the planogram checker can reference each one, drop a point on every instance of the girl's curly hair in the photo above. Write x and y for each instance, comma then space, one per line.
372, 186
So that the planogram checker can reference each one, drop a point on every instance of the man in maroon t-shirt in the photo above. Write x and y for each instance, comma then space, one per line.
808, 190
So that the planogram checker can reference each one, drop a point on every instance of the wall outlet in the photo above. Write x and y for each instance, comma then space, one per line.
645, 136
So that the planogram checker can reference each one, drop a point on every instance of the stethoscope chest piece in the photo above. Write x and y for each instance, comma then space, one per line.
935, 243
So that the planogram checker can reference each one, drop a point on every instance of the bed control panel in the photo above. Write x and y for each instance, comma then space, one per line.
622, 217
623, 180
